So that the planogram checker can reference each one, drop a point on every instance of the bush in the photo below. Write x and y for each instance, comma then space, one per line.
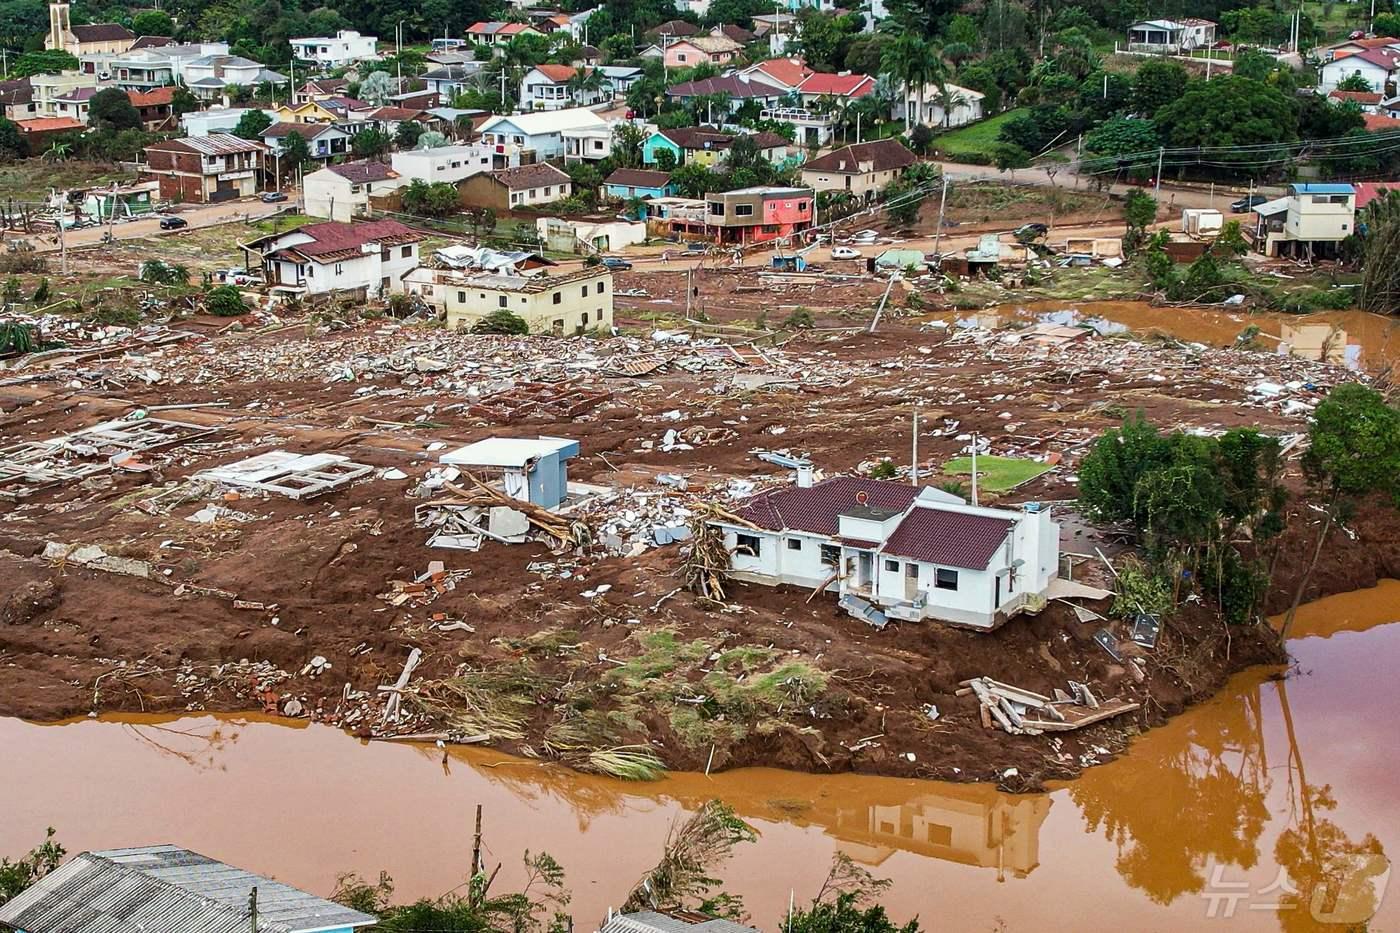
156, 272
224, 301
501, 321
885, 469
799, 319
1140, 589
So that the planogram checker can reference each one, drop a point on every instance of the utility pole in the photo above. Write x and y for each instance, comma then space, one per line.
974, 469
938, 230
914, 459
1157, 190
253, 908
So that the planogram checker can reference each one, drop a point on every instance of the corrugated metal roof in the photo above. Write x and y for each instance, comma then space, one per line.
651, 921
948, 538
154, 889
214, 144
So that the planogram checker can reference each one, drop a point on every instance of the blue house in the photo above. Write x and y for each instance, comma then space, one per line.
643, 183
167, 888
533, 469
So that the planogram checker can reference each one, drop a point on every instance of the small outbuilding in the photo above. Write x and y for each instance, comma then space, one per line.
534, 470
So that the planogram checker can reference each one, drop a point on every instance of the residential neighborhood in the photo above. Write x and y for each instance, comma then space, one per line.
881, 462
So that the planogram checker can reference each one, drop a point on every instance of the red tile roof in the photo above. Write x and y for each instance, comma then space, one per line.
557, 73
1368, 191
947, 538
790, 71
1361, 97
847, 85
156, 97
1383, 58
817, 508
1377, 123
333, 236
49, 124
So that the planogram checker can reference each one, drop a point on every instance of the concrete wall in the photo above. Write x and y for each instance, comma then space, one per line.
1313, 219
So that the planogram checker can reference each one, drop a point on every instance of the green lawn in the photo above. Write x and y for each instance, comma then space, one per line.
997, 474
978, 138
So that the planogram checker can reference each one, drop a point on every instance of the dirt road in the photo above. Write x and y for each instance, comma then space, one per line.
196, 216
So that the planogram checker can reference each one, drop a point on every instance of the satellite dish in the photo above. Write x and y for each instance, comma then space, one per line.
862, 497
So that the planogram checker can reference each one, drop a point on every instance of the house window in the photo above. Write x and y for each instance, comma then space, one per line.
830, 554
716, 208
546, 191
558, 297
743, 210
748, 544
602, 287
801, 205
583, 292
501, 300
946, 579
794, 544
339, 268
680, 56
462, 298
892, 566
585, 317
406, 252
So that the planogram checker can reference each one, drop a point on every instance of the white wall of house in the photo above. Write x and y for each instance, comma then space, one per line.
445, 163
1335, 72
545, 194
1320, 216
345, 47
368, 271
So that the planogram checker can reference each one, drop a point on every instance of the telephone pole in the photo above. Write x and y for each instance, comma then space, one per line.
253, 908
1157, 190
476, 844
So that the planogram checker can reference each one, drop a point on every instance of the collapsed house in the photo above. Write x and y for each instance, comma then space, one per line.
895, 550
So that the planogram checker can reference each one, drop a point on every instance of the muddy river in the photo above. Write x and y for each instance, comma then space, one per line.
1358, 339
1274, 787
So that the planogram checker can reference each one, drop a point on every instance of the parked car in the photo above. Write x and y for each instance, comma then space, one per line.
844, 252
1027, 232
173, 223
272, 197
615, 264
695, 246
1247, 203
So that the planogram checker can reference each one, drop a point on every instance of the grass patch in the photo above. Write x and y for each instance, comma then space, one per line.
997, 474
283, 222
977, 139
31, 179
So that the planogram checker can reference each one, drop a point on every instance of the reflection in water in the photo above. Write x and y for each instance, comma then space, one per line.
1268, 777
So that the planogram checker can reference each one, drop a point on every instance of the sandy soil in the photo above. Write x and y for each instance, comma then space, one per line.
75, 640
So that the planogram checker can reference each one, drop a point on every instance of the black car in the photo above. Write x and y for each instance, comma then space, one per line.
1246, 204
173, 223
272, 197
615, 264
1030, 232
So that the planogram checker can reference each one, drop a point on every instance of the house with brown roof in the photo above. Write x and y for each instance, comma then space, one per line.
739, 88
627, 183
342, 192
515, 188
205, 169
862, 169
156, 106
17, 100
896, 550
368, 259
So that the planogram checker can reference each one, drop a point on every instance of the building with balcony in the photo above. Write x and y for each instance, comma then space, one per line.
344, 48
758, 214
206, 169
367, 259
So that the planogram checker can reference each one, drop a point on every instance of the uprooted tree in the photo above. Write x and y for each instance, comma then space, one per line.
693, 850
18, 875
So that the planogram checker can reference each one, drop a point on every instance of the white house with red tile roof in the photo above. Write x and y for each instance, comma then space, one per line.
1377, 67
316, 259
914, 552
783, 73
497, 34
846, 85
546, 87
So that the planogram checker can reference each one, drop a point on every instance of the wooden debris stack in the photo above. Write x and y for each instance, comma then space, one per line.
1024, 712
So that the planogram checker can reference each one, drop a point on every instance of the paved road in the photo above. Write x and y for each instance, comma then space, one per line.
1173, 198
197, 216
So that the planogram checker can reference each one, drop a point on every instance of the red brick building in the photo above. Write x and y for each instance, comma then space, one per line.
206, 169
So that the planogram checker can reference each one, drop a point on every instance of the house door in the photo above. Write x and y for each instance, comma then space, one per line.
863, 569
911, 581
996, 595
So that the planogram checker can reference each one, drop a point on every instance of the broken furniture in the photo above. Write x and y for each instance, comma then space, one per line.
296, 476
32, 465
533, 470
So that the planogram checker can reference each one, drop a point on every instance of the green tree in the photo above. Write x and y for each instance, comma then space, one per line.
252, 125
406, 136
377, 87
153, 23
1139, 209
12, 145
370, 143
49, 61
111, 109
844, 915
295, 152
16, 876
1386, 24
431, 139
911, 62
1120, 138
224, 301
501, 321
1008, 157
435, 199
1353, 451
694, 180
183, 102
1229, 112
1156, 84
1355, 82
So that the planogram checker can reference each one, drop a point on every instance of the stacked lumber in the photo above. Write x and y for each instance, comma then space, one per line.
1018, 711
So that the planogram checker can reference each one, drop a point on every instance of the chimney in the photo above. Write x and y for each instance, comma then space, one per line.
804, 474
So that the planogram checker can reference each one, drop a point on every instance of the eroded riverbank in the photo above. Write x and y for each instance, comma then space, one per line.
1270, 775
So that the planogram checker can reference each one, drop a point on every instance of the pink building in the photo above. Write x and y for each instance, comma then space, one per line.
756, 215
687, 53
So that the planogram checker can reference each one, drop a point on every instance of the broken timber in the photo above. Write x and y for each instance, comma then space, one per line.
1023, 712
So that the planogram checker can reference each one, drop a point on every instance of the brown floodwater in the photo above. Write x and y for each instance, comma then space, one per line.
1274, 785
1376, 336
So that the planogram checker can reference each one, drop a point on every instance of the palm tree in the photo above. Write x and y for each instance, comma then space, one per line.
911, 60
585, 81
58, 152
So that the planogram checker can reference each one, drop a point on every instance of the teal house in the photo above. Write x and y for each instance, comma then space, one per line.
628, 183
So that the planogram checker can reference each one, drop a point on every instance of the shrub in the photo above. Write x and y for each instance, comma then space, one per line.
1140, 589
885, 469
799, 319
224, 301
501, 321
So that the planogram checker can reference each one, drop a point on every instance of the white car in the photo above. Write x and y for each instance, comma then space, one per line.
844, 252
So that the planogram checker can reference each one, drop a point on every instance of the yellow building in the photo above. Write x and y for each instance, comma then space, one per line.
573, 303
85, 40
309, 112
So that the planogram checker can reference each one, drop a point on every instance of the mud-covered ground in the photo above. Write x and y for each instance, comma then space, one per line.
605, 669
